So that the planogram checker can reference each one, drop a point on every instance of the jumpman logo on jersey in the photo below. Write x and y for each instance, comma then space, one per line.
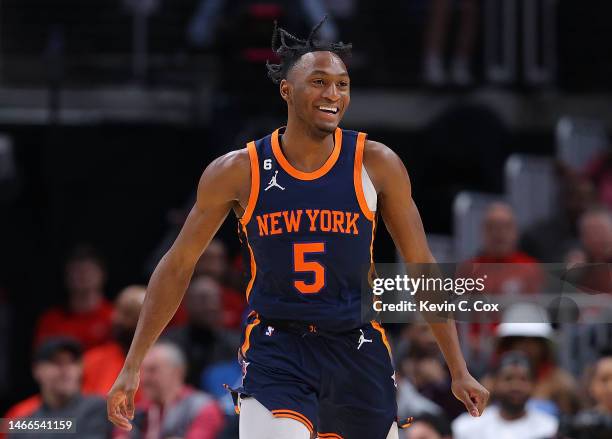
273, 183
363, 340
269, 331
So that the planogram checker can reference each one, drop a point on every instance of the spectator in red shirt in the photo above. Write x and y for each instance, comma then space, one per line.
173, 409
102, 364
519, 273
87, 315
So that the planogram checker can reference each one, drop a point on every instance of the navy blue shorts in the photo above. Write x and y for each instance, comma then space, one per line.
341, 385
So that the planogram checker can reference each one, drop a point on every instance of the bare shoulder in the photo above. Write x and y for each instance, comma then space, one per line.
232, 163
228, 176
382, 164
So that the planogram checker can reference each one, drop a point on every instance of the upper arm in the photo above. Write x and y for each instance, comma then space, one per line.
222, 186
395, 203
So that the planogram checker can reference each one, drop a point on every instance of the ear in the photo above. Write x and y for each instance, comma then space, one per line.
285, 90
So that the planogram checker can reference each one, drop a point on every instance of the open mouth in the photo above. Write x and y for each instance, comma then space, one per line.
328, 109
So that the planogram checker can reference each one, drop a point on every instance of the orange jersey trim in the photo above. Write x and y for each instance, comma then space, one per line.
301, 175
254, 193
253, 264
361, 138
295, 416
380, 329
247, 336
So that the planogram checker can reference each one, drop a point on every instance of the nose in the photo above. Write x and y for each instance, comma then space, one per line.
331, 93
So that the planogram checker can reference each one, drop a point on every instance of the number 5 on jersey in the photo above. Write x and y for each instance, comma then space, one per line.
301, 265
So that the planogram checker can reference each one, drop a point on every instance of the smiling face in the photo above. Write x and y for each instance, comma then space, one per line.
317, 91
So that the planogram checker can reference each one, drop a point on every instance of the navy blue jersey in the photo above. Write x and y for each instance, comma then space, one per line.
309, 235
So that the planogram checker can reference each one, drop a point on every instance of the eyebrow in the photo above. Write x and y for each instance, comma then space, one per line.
323, 72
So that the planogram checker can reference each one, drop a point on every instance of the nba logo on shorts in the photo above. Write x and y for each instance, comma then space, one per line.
269, 331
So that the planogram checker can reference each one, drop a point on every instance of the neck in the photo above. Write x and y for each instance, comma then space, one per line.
305, 148
56, 402
511, 415
85, 301
171, 395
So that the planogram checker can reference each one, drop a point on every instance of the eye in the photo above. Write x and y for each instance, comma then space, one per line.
318, 82
343, 84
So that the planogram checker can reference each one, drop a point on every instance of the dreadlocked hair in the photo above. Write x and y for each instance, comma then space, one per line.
291, 48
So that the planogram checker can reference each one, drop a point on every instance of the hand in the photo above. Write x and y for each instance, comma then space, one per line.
473, 395
120, 399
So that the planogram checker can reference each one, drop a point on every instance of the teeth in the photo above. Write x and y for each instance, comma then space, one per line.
332, 109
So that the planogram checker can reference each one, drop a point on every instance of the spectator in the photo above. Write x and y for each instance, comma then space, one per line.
57, 369
596, 422
550, 240
593, 276
423, 366
555, 389
510, 418
87, 314
214, 263
173, 409
520, 272
103, 363
415, 339
429, 427
410, 402
418, 337
202, 339
595, 231
436, 37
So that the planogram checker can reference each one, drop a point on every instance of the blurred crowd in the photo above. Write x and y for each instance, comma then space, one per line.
79, 346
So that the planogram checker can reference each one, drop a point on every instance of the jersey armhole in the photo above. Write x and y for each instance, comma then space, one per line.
358, 182
254, 192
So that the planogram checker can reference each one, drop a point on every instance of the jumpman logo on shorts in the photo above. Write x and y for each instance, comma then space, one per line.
273, 183
363, 340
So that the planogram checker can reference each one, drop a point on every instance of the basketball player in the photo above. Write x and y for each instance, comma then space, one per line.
307, 197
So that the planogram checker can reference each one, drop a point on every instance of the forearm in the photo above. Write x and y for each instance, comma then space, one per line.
164, 294
448, 341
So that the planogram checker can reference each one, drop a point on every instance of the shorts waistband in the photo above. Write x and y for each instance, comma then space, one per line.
302, 327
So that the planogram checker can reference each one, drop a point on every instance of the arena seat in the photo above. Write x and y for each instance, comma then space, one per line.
579, 140
531, 188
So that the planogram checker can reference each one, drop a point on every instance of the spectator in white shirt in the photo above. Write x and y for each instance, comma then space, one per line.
510, 418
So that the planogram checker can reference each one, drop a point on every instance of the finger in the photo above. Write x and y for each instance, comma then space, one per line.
482, 399
130, 404
122, 408
113, 411
120, 421
470, 405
